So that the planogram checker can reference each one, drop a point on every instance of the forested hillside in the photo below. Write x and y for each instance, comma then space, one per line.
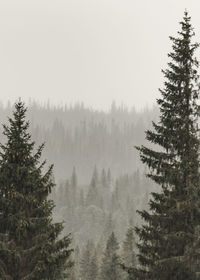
82, 137
100, 182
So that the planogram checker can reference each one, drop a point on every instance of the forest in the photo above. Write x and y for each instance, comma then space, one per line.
94, 195
100, 181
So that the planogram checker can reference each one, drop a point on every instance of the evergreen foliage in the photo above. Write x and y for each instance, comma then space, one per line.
86, 261
103, 178
174, 213
128, 252
74, 273
110, 269
74, 185
93, 192
93, 267
29, 245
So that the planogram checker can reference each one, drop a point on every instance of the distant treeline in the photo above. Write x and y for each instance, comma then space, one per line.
83, 137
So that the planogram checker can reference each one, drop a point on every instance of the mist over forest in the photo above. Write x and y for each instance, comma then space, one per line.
100, 181
80, 137
95, 190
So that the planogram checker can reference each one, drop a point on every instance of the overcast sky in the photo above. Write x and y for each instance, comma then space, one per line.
94, 51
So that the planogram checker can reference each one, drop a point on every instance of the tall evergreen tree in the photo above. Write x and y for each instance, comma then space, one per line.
103, 178
93, 192
129, 246
110, 269
109, 178
175, 211
93, 267
74, 178
75, 269
31, 248
86, 260
74, 183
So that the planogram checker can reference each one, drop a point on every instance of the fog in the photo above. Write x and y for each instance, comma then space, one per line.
91, 51
89, 73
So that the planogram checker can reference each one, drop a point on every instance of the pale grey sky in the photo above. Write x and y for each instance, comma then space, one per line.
93, 51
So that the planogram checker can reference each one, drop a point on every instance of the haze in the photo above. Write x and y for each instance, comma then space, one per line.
94, 51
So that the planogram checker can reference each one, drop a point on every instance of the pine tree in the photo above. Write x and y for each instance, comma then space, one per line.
109, 177
93, 193
110, 268
74, 178
31, 248
7, 257
109, 227
75, 269
103, 178
93, 267
174, 212
86, 260
74, 183
128, 252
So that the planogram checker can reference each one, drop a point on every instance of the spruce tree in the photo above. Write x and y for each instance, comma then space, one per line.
93, 267
30, 247
93, 192
86, 260
174, 212
103, 178
110, 268
74, 183
129, 246
75, 269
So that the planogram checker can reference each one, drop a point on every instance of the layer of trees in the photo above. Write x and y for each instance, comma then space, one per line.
81, 137
100, 215
97, 262
92, 211
107, 201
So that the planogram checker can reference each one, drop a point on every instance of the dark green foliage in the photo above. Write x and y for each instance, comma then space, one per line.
174, 212
29, 244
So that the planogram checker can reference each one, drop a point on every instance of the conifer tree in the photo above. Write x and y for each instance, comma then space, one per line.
75, 269
103, 178
128, 252
74, 178
93, 267
31, 248
93, 193
175, 211
108, 228
110, 269
86, 260
74, 183
109, 178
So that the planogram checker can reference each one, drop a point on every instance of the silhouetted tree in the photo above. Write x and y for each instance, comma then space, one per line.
175, 212
33, 249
